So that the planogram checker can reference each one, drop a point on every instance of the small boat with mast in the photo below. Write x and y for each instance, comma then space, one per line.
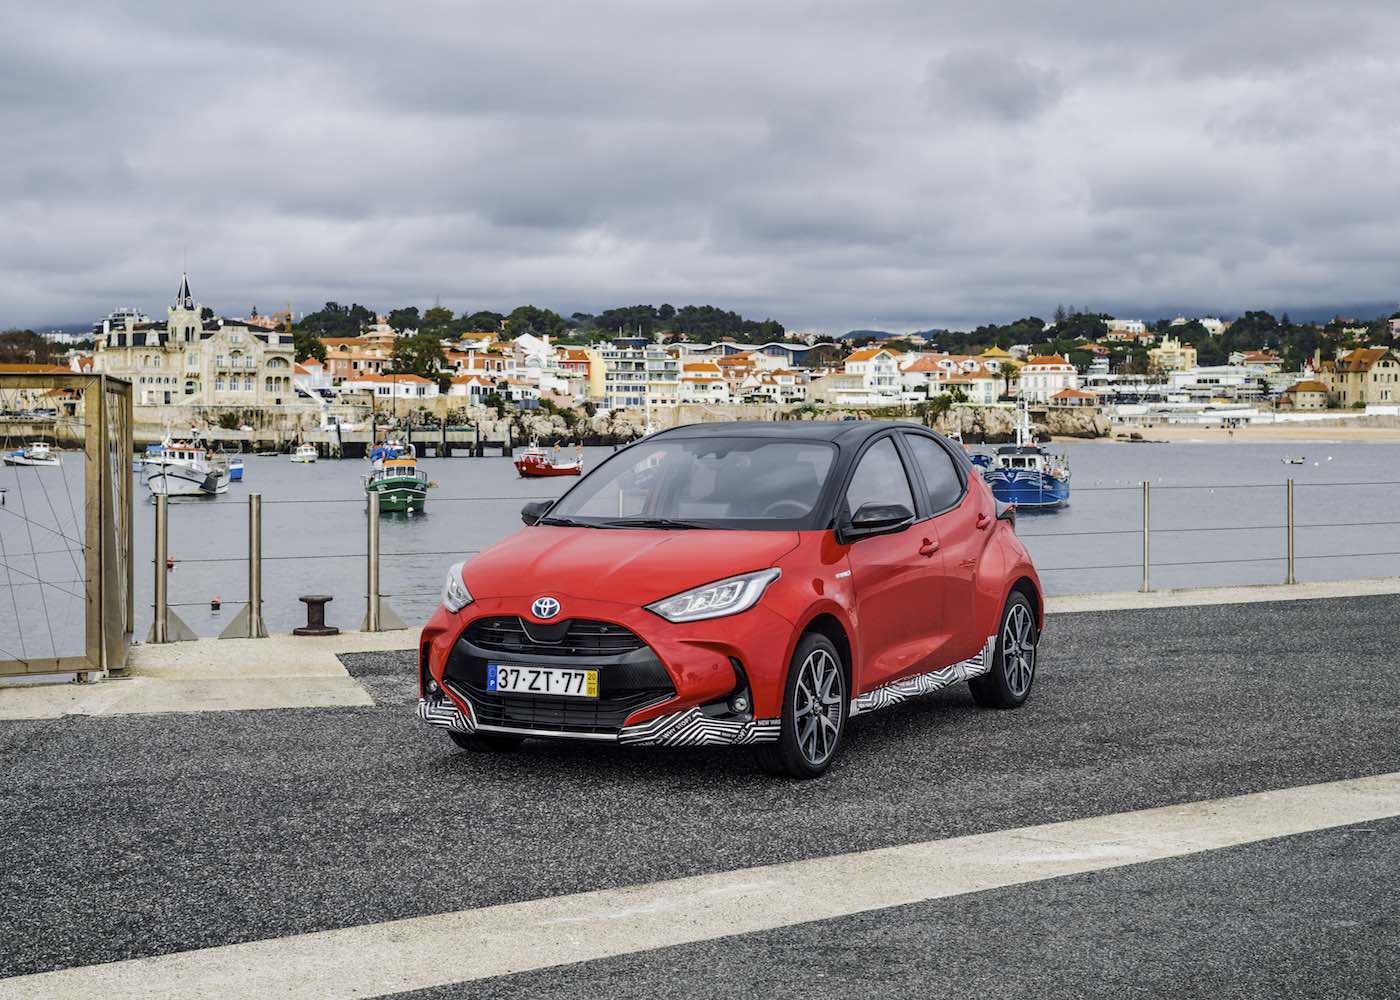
35, 453
1025, 474
178, 468
534, 463
394, 475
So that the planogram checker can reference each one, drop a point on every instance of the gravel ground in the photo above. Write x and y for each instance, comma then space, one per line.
1309, 916
138, 835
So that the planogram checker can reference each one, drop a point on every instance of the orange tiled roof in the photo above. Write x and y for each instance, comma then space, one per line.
1047, 359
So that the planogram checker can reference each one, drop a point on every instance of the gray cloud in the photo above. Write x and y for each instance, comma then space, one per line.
898, 162
990, 83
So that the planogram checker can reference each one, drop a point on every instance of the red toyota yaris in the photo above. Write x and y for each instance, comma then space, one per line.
738, 583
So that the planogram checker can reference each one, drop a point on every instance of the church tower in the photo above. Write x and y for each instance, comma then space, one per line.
183, 323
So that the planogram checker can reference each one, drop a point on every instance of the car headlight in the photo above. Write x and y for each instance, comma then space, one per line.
715, 600
455, 595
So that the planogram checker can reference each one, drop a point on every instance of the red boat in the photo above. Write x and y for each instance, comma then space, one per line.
533, 463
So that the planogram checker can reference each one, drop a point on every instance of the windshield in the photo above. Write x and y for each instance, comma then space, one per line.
710, 482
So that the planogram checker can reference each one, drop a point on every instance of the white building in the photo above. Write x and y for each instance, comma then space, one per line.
391, 387
190, 359
877, 368
1133, 326
1043, 376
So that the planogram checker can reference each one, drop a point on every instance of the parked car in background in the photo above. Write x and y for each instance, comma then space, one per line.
738, 583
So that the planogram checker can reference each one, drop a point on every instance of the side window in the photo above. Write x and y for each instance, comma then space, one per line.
879, 478
939, 474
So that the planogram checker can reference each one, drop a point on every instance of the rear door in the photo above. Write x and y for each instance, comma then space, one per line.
963, 516
897, 578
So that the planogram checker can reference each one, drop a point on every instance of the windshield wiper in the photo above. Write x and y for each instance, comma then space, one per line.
564, 522
653, 522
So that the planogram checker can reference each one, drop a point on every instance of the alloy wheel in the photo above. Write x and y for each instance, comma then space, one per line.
818, 701
1018, 649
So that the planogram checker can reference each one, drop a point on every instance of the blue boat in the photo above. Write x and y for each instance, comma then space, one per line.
1025, 474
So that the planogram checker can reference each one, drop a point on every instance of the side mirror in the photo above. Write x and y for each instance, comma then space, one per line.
1006, 512
876, 519
534, 510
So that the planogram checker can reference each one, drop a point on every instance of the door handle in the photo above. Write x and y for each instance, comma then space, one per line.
982, 521
929, 547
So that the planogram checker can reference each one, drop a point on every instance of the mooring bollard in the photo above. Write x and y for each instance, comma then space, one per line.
1146, 536
316, 616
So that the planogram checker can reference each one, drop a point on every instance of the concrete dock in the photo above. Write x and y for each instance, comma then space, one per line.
1201, 798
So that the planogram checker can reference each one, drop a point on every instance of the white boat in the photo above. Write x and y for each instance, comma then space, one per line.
180, 469
37, 453
304, 453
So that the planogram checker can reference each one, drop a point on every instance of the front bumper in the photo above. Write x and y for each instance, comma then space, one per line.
677, 729
672, 690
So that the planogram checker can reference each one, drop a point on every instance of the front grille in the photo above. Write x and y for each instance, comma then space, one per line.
574, 637
630, 677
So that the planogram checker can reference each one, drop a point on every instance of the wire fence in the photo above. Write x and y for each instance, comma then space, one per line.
1190, 541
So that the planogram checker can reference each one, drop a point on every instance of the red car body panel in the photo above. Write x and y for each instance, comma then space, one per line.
906, 603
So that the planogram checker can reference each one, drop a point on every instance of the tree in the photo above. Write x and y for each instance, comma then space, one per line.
406, 318
437, 321
307, 345
481, 322
336, 320
26, 347
420, 354
535, 321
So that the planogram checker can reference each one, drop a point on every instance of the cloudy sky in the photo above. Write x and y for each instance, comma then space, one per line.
832, 165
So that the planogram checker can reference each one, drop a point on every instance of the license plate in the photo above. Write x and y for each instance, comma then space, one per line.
567, 681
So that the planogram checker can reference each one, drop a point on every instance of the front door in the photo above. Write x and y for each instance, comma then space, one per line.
896, 578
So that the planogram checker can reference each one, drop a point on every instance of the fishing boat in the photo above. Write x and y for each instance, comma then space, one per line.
1025, 474
1290, 460
178, 468
37, 453
402, 486
533, 463
305, 453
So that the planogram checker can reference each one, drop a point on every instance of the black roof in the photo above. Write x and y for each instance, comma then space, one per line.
844, 431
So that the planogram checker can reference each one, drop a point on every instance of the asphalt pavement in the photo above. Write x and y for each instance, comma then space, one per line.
133, 836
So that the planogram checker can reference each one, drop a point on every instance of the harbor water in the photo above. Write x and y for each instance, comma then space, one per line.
1217, 514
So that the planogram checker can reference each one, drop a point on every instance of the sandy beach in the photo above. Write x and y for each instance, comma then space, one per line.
1388, 431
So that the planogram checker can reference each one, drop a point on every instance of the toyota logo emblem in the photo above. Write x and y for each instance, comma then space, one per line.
545, 607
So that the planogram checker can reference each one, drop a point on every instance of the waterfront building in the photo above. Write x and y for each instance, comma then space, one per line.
877, 369
1074, 398
1306, 394
1257, 359
470, 389
392, 387
350, 357
703, 382
1171, 356
925, 375
1361, 377
196, 360
1043, 376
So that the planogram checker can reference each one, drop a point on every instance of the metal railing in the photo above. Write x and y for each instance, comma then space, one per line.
379, 615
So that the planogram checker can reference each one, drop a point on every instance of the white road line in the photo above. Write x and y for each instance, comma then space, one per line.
422, 952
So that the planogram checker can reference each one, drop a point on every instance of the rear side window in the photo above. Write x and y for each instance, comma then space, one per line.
879, 478
939, 473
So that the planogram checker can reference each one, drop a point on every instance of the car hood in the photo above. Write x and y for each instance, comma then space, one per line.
627, 565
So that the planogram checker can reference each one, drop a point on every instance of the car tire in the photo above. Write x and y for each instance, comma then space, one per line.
1008, 683
486, 742
811, 730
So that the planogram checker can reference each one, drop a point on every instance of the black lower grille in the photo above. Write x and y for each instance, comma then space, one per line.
573, 637
562, 715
